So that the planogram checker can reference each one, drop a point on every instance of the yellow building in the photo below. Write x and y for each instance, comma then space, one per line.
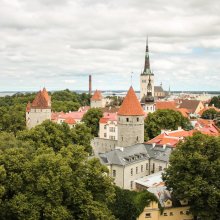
152, 212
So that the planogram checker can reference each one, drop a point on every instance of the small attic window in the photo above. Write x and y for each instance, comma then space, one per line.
127, 119
137, 119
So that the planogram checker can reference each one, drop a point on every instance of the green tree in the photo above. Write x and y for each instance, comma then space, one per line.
81, 135
130, 204
164, 119
91, 119
215, 101
194, 174
209, 114
43, 184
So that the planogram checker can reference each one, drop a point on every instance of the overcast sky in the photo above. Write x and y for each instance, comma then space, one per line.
58, 43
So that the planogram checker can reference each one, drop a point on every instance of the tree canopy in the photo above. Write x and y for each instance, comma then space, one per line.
13, 108
210, 114
43, 184
194, 174
164, 119
57, 136
91, 119
130, 204
215, 101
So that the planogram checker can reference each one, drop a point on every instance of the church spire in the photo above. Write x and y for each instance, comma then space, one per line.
147, 60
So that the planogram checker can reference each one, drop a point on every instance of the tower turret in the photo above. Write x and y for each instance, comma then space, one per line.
130, 121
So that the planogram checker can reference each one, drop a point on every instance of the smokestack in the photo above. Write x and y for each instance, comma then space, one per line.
90, 84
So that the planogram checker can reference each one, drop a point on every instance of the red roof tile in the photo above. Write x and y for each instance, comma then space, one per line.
166, 105
97, 96
131, 106
28, 108
70, 121
42, 100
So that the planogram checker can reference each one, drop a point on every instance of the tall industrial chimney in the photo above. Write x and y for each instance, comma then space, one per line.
90, 84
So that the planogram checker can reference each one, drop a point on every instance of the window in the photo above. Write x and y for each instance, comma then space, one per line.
165, 214
160, 168
148, 215
131, 184
142, 168
127, 119
114, 173
146, 166
136, 170
143, 81
131, 171
112, 137
137, 138
105, 135
112, 129
105, 126
171, 213
137, 119
122, 138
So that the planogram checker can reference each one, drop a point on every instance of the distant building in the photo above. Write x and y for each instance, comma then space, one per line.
97, 100
159, 93
39, 110
193, 106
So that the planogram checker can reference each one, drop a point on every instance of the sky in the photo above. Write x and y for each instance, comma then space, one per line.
57, 43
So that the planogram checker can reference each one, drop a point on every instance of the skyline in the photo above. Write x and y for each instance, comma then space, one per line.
57, 44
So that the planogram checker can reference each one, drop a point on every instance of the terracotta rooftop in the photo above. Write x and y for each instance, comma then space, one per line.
97, 96
131, 106
70, 121
166, 105
42, 100
191, 105
207, 108
108, 117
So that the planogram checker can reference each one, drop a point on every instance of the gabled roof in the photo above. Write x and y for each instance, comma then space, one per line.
131, 106
191, 105
70, 121
97, 96
108, 117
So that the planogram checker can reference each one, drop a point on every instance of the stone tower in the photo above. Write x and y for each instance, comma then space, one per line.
97, 100
39, 110
130, 121
147, 77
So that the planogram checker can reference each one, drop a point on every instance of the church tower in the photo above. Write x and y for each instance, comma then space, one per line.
147, 77
130, 121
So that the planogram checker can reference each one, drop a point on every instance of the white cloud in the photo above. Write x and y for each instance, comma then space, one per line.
53, 41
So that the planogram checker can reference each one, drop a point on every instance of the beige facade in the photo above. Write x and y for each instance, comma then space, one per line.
124, 176
97, 103
108, 130
149, 107
36, 116
130, 130
152, 212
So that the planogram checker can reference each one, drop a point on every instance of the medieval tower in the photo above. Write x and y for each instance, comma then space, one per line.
130, 121
39, 110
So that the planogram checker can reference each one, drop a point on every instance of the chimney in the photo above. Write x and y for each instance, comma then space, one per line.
90, 84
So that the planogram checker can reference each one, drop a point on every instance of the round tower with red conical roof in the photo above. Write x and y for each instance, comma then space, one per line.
130, 121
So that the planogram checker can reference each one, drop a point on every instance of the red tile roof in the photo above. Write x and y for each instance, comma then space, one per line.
108, 117
28, 108
42, 100
131, 106
166, 105
70, 121
97, 96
